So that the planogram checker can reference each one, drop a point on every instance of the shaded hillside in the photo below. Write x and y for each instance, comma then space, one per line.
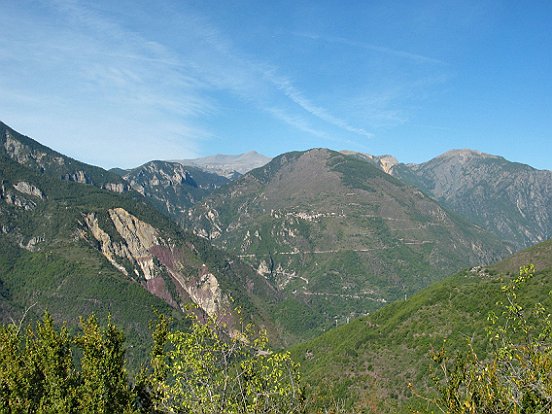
509, 199
337, 235
540, 255
73, 247
370, 361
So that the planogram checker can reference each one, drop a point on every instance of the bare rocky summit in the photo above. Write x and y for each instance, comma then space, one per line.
229, 166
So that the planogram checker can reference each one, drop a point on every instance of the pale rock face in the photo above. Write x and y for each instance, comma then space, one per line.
387, 162
116, 187
138, 238
78, 177
21, 153
206, 294
109, 249
32, 243
29, 189
263, 268
213, 217
13, 199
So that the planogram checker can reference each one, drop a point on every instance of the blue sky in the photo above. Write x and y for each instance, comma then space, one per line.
118, 83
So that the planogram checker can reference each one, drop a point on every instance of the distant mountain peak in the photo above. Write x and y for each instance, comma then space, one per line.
466, 153
226, 165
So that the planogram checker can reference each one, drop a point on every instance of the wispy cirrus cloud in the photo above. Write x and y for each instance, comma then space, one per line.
210, 61
285, 85
111, 87
114, 86
402, 54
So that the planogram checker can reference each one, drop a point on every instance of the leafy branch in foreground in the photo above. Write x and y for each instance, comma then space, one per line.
516, 377
199, 371
204, 371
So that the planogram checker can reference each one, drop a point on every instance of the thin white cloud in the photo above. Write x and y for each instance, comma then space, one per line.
113, 85
297, 122
414, 57
298, 98
99, 71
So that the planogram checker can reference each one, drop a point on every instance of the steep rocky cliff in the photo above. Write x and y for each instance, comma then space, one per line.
171, 187
138, 250
509, 199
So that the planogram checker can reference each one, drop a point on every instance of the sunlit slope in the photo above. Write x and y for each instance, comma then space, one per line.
337, 236
370, 361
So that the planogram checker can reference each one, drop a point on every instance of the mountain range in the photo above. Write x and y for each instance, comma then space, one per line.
509, 199
301, 242
229, 166
338, 234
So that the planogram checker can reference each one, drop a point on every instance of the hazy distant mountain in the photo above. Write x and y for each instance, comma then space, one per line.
337, 233
70, 246
509, 199
230, 166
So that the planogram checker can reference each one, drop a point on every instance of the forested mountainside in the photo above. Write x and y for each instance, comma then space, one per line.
75, 240
337, 233
383, 362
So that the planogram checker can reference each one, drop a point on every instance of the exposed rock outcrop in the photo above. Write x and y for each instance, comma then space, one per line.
20, 153
78, 177
206, 292
137, 238
116, 187
109, 249
29, 189
147, 256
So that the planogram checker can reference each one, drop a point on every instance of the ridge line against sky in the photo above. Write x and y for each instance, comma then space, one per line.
171, 79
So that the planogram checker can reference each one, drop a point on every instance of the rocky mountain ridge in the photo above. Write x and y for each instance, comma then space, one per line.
103, 244
43, 160
172, 187
509, 199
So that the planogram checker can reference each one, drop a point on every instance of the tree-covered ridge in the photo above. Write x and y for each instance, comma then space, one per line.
201, 370
515, 374
45, 161
369, 363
